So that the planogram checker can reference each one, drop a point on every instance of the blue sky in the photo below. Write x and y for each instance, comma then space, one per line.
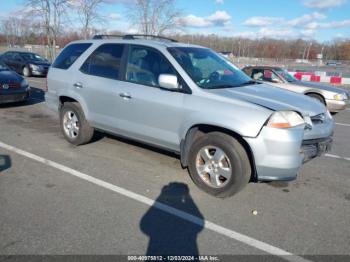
322, 20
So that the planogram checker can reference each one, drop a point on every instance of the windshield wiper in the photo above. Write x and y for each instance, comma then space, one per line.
219, 86
251, 82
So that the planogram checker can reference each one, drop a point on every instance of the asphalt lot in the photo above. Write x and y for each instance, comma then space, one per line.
97, 199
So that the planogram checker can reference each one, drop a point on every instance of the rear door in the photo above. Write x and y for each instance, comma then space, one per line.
99, 85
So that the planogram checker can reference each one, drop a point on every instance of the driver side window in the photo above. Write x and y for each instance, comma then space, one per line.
145, 65
265, 75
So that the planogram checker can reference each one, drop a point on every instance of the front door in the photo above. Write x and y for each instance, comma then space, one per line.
148, 112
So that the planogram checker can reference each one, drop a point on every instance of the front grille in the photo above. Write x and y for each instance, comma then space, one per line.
11, 85
319, 119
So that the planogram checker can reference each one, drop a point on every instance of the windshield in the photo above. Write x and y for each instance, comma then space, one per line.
32, 57
208, 69
3, 67
285, 74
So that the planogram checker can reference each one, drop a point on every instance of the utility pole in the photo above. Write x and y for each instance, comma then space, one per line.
321, 60
304, 53
232, 46
308, 51
239, 50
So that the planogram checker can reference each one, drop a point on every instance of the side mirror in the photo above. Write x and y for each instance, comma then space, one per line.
168, 82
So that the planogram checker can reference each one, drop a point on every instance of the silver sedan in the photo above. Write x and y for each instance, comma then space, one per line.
336, 99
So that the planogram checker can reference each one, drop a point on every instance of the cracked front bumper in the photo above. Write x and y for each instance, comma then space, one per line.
314, 148
279, 153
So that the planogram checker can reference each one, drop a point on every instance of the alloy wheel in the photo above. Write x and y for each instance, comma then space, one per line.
71, 124
213, 166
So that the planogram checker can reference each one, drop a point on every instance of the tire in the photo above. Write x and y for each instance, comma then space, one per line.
26, 71
74, 125
235, 163
317, 97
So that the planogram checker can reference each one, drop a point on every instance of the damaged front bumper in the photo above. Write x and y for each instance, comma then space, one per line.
315, 148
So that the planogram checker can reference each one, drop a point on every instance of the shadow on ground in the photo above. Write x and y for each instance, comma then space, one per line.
168, 234
5, 162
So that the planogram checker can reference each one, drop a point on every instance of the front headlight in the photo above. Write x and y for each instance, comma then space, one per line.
24, 83
285, 119
34, 67
340, 97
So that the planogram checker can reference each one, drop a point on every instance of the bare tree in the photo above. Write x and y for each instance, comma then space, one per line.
16, 30
88, 11
51, 14
153, 17
9, 29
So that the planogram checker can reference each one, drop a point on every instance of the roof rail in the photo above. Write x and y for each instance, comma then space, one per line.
107, 36
134, 37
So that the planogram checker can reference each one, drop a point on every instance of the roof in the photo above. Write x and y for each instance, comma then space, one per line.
146, 42
20, 51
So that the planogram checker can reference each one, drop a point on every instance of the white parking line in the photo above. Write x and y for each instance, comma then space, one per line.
342, 124
337, 157
165, 208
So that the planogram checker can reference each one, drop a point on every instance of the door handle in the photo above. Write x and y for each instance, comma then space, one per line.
78, 85
125, 95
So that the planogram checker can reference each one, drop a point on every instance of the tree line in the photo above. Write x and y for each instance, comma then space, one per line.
50, 23
272, 48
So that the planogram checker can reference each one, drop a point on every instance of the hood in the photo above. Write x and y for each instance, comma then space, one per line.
9, 76
273, 98
42, 63
320, 86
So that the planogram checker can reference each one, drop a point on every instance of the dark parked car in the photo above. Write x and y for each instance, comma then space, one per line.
26, 63
13, 87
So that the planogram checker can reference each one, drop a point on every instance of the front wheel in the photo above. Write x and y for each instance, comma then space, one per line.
26, 71
219, 164
74, 126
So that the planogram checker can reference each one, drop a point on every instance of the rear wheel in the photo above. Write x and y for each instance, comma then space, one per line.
74, 126
219, 164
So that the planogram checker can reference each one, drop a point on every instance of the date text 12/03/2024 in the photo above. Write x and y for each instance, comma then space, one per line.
173, 258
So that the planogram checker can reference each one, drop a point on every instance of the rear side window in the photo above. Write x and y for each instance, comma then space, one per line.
104, 61
69, 55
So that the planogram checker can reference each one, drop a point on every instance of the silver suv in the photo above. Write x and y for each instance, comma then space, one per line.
227, 128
